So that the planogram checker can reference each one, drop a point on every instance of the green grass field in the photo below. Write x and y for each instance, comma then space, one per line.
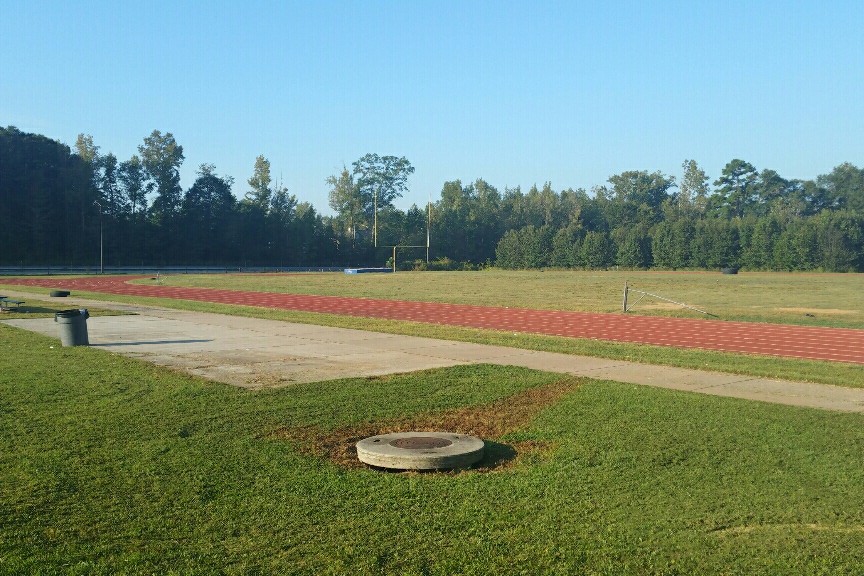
112, 466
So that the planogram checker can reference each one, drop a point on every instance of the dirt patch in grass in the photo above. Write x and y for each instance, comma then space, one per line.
658, 306
489, 422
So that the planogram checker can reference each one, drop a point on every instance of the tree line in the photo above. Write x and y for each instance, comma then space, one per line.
748, 219
58, 200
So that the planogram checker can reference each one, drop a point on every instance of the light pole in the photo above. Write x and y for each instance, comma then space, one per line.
101, 260
428, 225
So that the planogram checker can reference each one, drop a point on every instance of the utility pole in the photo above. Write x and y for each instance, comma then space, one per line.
101, 253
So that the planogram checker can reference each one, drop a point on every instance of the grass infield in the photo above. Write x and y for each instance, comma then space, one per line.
110, 465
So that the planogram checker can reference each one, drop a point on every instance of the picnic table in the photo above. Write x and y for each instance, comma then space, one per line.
6, 303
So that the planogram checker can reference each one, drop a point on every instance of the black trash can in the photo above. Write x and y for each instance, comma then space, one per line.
73, 327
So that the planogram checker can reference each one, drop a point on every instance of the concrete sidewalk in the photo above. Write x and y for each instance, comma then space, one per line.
255, 353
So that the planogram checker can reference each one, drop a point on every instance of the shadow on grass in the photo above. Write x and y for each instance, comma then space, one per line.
496, 455
46, 310
28, 312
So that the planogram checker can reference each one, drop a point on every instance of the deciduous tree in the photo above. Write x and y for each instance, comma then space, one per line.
381, 179
844, 186
136, 187
346, 199
162, 157
207, 213
693, 190
597, 250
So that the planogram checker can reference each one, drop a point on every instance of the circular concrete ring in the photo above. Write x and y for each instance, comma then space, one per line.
420, 450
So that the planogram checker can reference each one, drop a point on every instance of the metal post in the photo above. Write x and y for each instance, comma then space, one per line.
394, 259
625, 296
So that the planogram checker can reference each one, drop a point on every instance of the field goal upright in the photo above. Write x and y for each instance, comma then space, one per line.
428, 238
406, 246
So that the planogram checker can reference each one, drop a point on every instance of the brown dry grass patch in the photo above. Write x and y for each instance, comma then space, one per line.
800, 310
657, 306
489, 422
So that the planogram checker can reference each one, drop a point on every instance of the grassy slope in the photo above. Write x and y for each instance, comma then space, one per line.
111, 465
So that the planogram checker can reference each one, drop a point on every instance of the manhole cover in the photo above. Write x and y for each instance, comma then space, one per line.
419, 442
420, 450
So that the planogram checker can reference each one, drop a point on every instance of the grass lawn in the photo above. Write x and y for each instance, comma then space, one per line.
109, 465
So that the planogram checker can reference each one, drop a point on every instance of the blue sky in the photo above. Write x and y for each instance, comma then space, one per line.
516, 93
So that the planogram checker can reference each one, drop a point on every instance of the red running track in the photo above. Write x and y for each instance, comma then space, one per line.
816, 343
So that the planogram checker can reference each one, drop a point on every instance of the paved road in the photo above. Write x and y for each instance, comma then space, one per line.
817, 343
256, 353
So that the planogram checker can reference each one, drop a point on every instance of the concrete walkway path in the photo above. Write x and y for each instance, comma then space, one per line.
256, 353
